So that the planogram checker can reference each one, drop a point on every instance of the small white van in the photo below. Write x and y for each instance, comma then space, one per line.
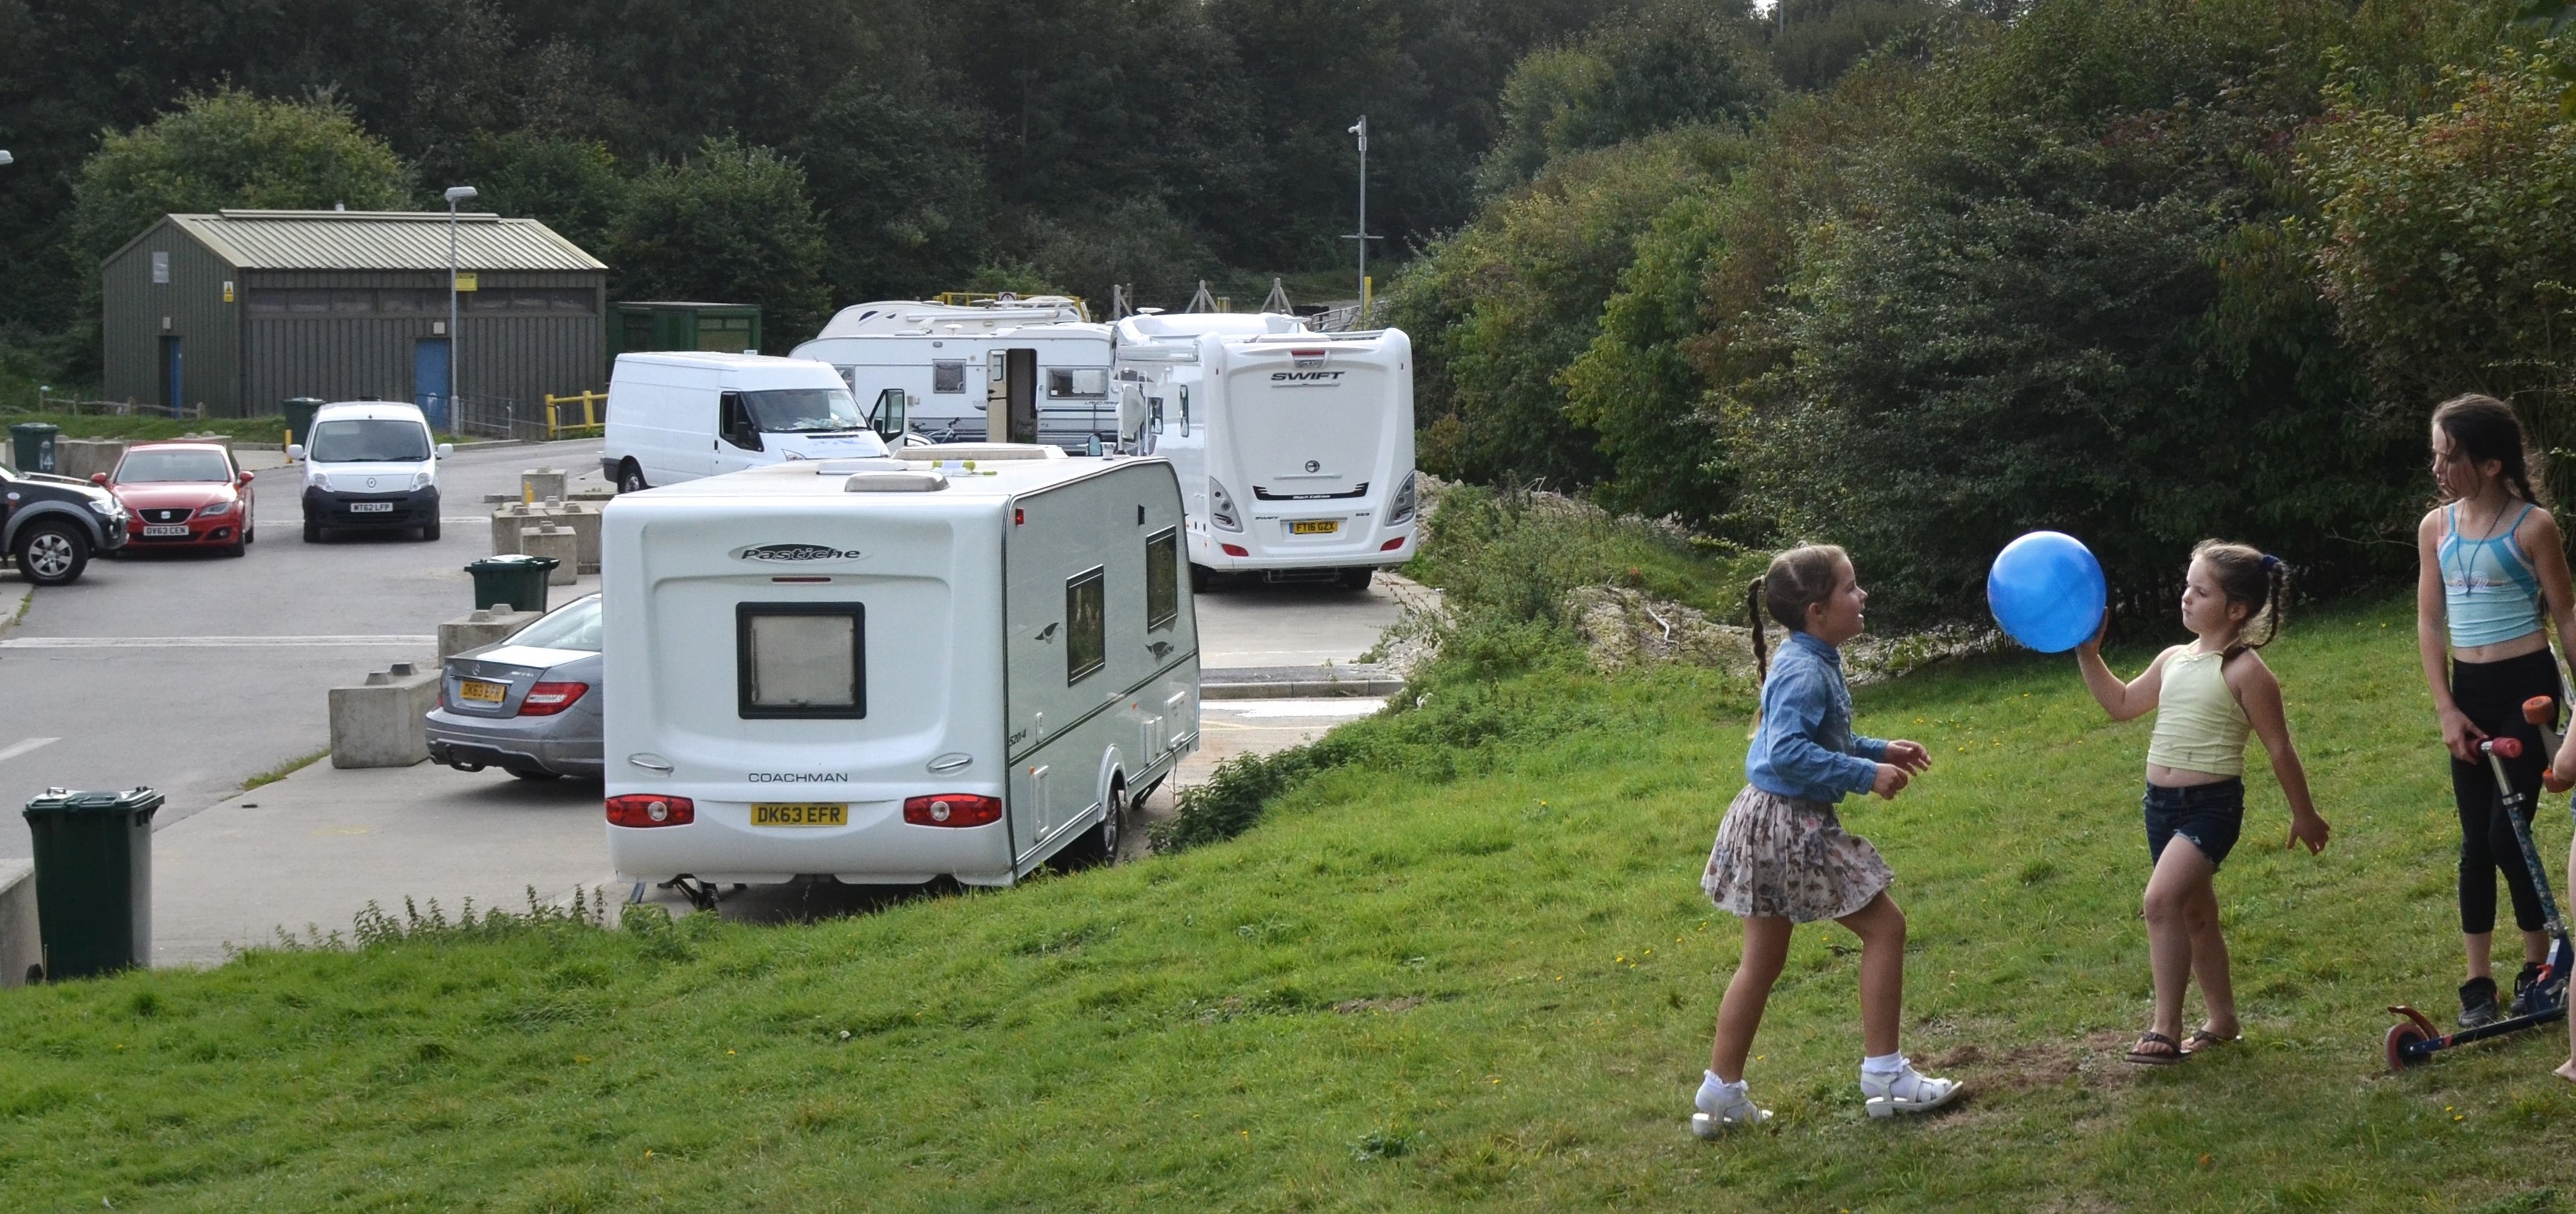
1295, 449
675, 417
956, 665
369, 465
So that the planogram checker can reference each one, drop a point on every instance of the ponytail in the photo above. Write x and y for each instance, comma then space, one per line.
1761, 644
2257, 579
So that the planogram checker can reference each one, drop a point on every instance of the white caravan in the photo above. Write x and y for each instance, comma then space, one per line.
676, 417
962, 379
906, 315
890, 671
1294, 449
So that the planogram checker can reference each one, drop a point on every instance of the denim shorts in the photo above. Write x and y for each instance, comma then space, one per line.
2210, 815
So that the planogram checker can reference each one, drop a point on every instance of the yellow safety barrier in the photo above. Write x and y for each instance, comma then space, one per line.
593, 404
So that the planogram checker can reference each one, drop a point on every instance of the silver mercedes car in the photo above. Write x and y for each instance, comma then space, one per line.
528, 705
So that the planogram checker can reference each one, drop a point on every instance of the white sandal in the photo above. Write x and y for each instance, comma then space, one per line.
1734, 1110
1907, 1091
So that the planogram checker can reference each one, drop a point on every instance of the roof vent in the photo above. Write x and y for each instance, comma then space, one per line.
894, 482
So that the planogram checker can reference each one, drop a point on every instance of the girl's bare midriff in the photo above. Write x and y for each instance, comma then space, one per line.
2530, 642
2176, 777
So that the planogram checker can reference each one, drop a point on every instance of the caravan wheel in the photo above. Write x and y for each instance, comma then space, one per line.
1100, 844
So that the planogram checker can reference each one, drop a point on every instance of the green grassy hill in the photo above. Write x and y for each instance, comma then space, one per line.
1473, 970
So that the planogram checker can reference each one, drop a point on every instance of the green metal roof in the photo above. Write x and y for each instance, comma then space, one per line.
381, 240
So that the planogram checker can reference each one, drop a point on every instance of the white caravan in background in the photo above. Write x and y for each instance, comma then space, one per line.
961, 378
907, 315
1294, 449
888, 672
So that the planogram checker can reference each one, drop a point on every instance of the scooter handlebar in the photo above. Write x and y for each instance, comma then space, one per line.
2503, 748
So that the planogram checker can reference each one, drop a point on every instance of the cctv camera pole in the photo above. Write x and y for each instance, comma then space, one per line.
455, 194
1360, 319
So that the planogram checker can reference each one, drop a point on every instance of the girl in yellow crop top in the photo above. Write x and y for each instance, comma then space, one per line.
2206, 696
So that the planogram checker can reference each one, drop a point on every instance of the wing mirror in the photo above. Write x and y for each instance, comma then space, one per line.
295, 452
246, 478
99, 479
446, 449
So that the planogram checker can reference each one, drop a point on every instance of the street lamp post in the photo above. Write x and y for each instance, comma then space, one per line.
455, 194
1362, 236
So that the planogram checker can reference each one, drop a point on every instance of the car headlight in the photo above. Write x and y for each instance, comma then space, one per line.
107, 507
319, 481
420, 480
216, 509
1221, 508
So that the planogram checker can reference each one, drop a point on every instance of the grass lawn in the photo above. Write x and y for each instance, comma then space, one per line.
144, 426
1462, 977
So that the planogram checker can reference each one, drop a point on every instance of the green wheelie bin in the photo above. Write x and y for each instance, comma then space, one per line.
93, 879
299, 417
514, 578
34, 444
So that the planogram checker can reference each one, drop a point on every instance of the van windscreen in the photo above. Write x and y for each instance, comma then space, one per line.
803, 410
369, 440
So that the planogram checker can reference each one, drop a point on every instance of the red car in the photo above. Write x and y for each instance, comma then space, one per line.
182, 495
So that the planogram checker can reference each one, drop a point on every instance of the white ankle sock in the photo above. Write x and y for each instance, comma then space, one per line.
1720, 1088
1883, 1064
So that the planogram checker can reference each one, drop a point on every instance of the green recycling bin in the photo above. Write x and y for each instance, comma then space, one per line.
515, 578
35, 445
93, 879
299, 417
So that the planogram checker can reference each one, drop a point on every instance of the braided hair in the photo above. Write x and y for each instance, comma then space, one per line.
2482, 428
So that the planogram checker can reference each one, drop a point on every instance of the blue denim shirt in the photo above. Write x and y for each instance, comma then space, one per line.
1805, 747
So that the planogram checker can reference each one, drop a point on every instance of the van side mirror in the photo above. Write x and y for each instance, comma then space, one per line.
446, 449
295, 452
1131, 420
891, 415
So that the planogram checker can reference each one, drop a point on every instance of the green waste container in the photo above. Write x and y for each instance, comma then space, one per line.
35, 445
299, 417
93, 879
516, 578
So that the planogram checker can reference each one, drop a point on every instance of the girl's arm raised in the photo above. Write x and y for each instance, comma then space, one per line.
2432, 641
2259, 694
2124, 701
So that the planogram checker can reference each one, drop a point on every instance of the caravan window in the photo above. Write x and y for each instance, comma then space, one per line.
801, 659
948, 375
1162, 578
1077, 381
1086, 626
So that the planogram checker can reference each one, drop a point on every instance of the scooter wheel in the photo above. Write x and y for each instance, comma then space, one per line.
2400, 1036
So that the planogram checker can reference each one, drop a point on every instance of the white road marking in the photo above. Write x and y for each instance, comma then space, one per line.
16, 749
214, 642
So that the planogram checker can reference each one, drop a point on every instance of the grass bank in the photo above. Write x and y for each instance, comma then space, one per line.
1453, 974
142, 426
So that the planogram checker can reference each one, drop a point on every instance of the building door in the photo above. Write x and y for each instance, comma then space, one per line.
429, 382
174, 385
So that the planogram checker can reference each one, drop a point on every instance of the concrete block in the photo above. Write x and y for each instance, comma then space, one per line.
559, 543
584, 521
79, 457
538, 484
594, 495
20, 947
508, 522
483, 627
380, 723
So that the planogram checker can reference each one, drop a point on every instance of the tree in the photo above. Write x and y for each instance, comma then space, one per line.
899, 178
231, 149
570, 185
1677, 63
730, 224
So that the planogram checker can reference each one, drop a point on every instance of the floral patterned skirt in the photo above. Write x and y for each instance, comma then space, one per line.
1781, 856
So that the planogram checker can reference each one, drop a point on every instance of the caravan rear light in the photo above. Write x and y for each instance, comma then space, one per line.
547, 699
952, 809
1234, 550
1391, 545
651, 809
1400, 508
1221, 508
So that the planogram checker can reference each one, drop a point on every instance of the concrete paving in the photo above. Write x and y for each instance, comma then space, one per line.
1251, 624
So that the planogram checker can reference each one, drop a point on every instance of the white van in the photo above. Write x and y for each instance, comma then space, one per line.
958, 373
371, 465
1295, 449
675, 417
956, 665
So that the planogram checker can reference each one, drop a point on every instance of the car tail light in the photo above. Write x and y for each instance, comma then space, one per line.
651, 809
952, 809
1391, 545
547, 699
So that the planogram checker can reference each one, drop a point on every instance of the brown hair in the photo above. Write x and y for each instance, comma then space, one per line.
2250, 576
1797, 579
2483, 428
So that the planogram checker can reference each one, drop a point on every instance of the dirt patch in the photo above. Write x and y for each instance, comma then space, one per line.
1624, 628
2097, 1060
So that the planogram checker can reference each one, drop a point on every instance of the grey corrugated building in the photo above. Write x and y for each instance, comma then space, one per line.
238, 310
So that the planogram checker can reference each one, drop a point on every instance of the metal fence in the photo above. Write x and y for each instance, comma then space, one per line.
488, 416
47, 402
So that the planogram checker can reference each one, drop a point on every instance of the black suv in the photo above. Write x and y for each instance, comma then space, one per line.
52, 524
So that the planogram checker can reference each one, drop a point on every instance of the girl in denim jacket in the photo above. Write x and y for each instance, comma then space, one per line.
1781, 856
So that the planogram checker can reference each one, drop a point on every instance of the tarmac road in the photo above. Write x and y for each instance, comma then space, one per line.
192, 673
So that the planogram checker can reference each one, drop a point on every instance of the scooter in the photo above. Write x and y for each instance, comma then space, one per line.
2416, 1038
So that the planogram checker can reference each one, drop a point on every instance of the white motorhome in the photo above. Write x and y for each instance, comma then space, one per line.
891, 671
1294, 449
966, 382
678, 416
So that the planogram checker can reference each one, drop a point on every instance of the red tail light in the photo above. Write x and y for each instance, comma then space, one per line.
952, 809
650, 809
547, 699
1233, 550
1391, 545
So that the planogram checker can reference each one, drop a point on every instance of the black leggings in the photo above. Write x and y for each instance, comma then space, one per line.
2491, 695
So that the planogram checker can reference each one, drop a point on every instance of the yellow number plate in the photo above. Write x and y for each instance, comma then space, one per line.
482, 692
800, 815
1319, 526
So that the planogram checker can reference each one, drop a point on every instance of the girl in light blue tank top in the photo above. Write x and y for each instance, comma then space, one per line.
2492, 580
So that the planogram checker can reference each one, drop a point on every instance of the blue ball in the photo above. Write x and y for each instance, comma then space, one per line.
2046, 590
